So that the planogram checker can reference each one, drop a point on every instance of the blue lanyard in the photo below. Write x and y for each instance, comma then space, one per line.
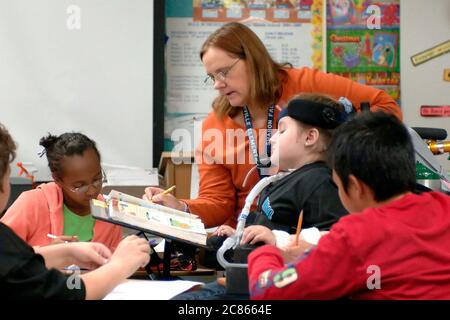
260, 163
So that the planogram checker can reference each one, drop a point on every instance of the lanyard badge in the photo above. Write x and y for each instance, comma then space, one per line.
264, 161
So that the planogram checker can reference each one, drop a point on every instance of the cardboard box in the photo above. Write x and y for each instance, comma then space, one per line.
176, 168
135, 191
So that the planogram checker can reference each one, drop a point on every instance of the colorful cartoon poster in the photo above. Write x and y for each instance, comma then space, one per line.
387, 81
362, 51
363, 42
356, 13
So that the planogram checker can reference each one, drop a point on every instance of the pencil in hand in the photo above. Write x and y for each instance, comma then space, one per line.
168, 190
299, 227
158, 194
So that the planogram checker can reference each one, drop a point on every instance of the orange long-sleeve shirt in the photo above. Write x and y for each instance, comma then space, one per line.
224, 162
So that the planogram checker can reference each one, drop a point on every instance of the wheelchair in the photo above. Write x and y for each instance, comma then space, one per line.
430, 175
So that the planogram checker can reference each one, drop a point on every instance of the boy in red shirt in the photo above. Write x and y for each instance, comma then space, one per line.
393, 246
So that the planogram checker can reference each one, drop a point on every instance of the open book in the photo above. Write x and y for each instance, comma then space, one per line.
135, 213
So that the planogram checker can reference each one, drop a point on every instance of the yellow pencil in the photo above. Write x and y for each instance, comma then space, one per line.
299, 227
168, 190
163, 193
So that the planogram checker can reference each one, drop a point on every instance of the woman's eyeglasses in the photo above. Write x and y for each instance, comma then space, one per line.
221, 75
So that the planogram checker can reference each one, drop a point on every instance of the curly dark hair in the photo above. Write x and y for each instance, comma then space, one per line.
65, 145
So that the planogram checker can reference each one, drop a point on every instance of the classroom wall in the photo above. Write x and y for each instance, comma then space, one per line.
97, 79
424, 24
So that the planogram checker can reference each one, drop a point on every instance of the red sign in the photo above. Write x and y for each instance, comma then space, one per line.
435, 111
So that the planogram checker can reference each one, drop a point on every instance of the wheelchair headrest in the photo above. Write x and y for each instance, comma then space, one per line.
431, 133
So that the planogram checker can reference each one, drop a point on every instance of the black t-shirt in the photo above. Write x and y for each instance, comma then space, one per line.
23, 274
309, 188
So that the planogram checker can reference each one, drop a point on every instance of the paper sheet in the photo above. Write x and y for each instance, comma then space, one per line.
150, 290
118, 175
160, 247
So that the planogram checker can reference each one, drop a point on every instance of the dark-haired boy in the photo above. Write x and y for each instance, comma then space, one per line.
393, 246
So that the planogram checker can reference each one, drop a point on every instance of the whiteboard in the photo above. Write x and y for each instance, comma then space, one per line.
96, 79
424, 84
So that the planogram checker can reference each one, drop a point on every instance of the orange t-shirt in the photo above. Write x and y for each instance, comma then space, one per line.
224, 162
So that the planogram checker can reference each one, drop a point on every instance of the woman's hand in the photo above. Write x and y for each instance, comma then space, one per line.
224, 230
254, 234
154, 195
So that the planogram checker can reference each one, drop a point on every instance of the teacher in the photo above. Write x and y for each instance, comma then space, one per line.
251, 87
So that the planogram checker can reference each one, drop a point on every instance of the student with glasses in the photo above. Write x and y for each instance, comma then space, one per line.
27, 273
59, 211
250, 86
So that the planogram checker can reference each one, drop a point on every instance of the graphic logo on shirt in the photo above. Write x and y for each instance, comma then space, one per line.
267, 209
285, 277
263, 280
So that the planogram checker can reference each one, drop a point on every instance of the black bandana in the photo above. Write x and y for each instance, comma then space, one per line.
314, 113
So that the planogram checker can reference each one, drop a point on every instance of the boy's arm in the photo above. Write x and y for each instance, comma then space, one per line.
100, 282
87, 255
132, 253
56, 256
329, 271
